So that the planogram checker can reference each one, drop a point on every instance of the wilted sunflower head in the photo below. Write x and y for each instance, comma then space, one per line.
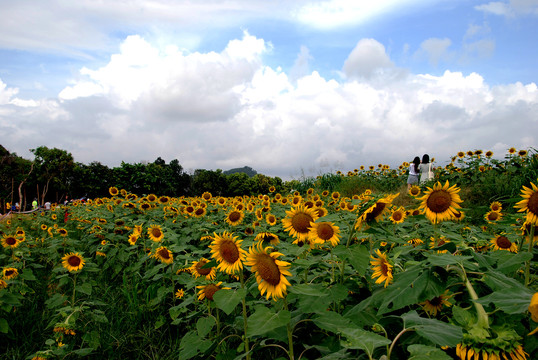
9, 273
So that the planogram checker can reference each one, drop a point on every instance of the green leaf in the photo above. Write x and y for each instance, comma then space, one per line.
264, 320
332, 321
463, 317
424, 352
436, 331
359, 258
85, 288
83, 352
204, 326
227, 300
445, 259
338, 292
191, 344
356, 338
4, 326
405, 290
316, 290
511, 300
27, 274
509, 262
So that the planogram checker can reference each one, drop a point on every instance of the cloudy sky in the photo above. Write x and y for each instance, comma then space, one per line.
285, 87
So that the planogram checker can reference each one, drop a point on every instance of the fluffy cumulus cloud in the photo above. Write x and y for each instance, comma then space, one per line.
230, 109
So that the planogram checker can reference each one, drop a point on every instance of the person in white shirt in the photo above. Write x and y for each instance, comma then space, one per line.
426, 170
413, 172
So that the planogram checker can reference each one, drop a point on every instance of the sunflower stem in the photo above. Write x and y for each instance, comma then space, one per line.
528, 262
244, 303
290, 335
483, 320
74, 290
395, 340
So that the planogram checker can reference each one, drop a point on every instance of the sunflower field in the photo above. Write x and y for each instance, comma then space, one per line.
311, 274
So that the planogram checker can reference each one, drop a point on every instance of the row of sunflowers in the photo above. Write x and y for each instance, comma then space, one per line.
290, 276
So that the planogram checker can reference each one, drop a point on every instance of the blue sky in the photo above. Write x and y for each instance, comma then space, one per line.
286, 87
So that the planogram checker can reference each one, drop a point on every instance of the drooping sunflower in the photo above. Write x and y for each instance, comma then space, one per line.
323, 232
435, 305
440, 202
235, 217
226, 249
529, 204
377, 210
513, 351
9, 273
415, 242
73, 262
10, 241
398, 215
155, 233
414, 190
382, 268
267, 237
164, 255
492, 216
207, 291
270, 272
501, 242
297, 221
198, 269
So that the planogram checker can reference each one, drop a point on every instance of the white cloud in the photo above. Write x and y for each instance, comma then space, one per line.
511, 8
434, 50
229, 109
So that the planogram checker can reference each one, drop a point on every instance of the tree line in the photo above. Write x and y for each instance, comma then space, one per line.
53, 175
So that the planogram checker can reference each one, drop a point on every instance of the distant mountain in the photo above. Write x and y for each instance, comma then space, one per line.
245, 169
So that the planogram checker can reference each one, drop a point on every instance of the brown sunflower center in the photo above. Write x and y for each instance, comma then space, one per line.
533, 203
10, 240
376, 211
301, 222
325, 231
199, 211
271, 219
439, 201
210, 290
163, 253
9, 272
436, 301
74, 261
229, 251
415, 191
201, 271
156, 232
397, 216
268, 269
384, 268
493, 216
234, 216
503, 242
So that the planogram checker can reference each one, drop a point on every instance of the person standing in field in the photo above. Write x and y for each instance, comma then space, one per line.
425, 167
414, 172
34, 204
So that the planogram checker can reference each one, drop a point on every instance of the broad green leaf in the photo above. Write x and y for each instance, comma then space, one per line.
204, 326
85, 288
27, 274
444, 259
313, 304
332, 321
463, 317
511, 300
227, 300
500, 282
83, 352
405, 290
316, 290
264, 320
356, 338
509, 262
436, 331
191, 344
4, 326
359, 258
424, 352
338, 292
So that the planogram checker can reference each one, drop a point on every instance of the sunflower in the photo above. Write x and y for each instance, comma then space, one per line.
198, 269
468, 352
199, 212
529, 204
382, 268
144, 206
398, 216
163, 199
377, 210
164, 255
440, 202
270, 272
62, 231
323, 232
226, 249
151, 198
495, 206
207, 291
113, 191
533, 307
501, 242
459, 215
298, 220
492, 216
271, 219
53, 216
9, 273
461, 154
235, 217
414, 190
179, 294
415, 242
522, 153
512, 150
489, 153
435, 305
155, 233
10, 241
73, 262
3, 284
267, 237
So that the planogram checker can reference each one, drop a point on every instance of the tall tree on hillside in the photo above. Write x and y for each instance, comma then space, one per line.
53, 167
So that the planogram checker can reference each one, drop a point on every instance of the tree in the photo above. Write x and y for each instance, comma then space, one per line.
54, 167
209, 180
